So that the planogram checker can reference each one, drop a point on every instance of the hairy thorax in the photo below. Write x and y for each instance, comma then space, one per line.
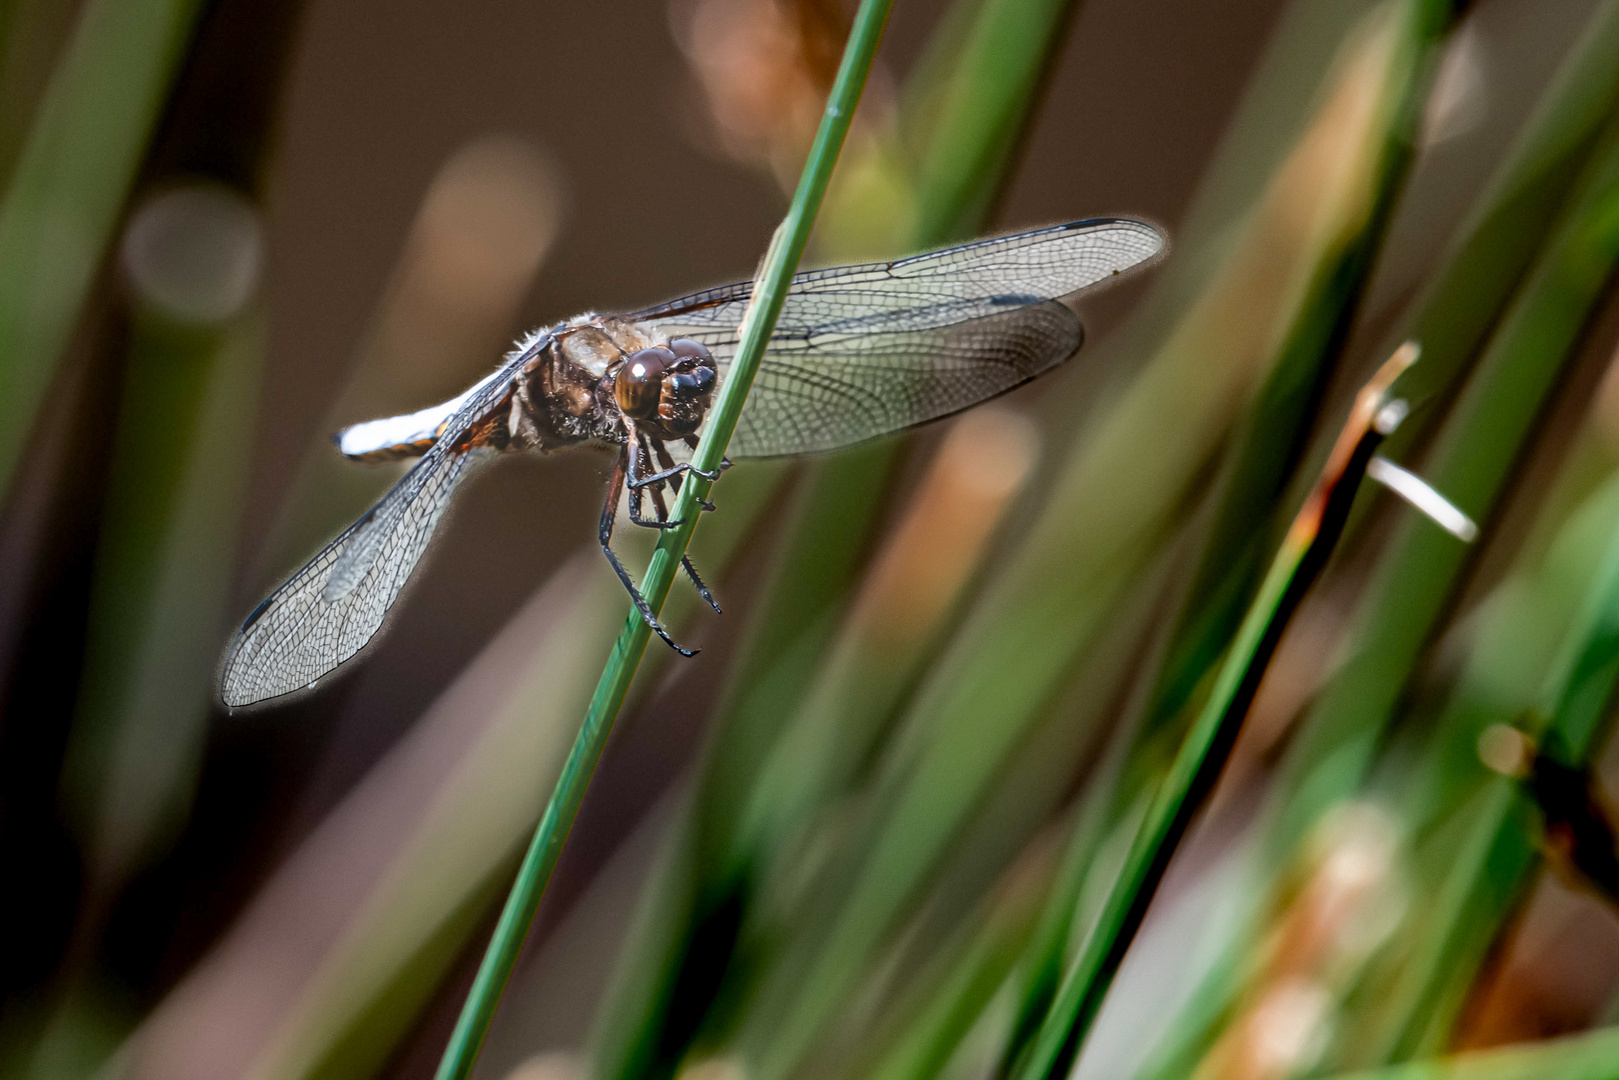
595, 380
564, 395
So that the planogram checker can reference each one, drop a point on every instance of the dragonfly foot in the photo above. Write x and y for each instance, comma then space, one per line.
641, 605
636, 483
647, 523
702, 590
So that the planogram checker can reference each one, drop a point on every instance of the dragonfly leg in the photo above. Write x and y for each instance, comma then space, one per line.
668, 463
671, 473
725, 462
663, 513
702, 590
671, 470
615, 488
637, 452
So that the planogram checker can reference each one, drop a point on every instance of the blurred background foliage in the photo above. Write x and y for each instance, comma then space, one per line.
867, 832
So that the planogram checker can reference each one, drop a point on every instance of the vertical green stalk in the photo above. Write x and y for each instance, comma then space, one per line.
956, 106
983, 107
1477, 299
1481, 876
770, 292
1208, 743
1484, 436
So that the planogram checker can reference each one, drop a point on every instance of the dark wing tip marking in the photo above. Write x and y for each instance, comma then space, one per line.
253, 616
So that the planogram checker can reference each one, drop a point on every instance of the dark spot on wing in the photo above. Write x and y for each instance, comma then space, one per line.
1016, 299
253, 616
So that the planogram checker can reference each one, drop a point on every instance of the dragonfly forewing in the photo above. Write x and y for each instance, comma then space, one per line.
864, 351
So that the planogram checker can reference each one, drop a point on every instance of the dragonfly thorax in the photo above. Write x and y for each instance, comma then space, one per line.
596, 378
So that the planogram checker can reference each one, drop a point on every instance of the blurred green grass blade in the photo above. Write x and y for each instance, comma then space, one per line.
1303, 553
1494, 414
909, 593
1507, 225
1592, 1055
966, 976
818, 563
1232, 557
769, 293
1472, 462
980, 110
162, 582
63, 202
1457, 310
32, 34
1476, 875
1231, 563
1047, 606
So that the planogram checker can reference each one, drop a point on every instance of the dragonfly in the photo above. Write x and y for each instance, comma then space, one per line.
858, 352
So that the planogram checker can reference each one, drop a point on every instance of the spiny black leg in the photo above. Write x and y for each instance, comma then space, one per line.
685, 561
725, 462
637, 451
668, 462
671, 470
669, 474
615, 488
702, 590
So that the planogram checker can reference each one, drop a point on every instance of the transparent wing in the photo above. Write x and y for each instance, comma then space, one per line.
862, 351
814, 397
326, 612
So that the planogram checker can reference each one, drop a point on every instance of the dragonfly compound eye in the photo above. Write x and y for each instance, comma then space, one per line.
690, 385
687, 349
639, 382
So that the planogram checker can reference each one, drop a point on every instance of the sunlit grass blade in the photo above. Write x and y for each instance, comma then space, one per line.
1202, 755
1098, 532
829, 535
68, 188
1479, 852
1471, 461
1458, 308
769, 293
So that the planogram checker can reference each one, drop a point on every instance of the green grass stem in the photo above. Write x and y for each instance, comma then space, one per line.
770, 292
834, 517
1494, 253
1477, 881
1208, 743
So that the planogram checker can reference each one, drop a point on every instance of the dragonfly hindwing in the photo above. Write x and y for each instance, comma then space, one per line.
355, 560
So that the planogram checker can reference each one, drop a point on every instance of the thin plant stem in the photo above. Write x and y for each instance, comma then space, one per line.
1207, 746
770, 292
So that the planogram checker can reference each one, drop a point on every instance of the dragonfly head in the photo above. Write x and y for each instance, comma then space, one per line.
666, 389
